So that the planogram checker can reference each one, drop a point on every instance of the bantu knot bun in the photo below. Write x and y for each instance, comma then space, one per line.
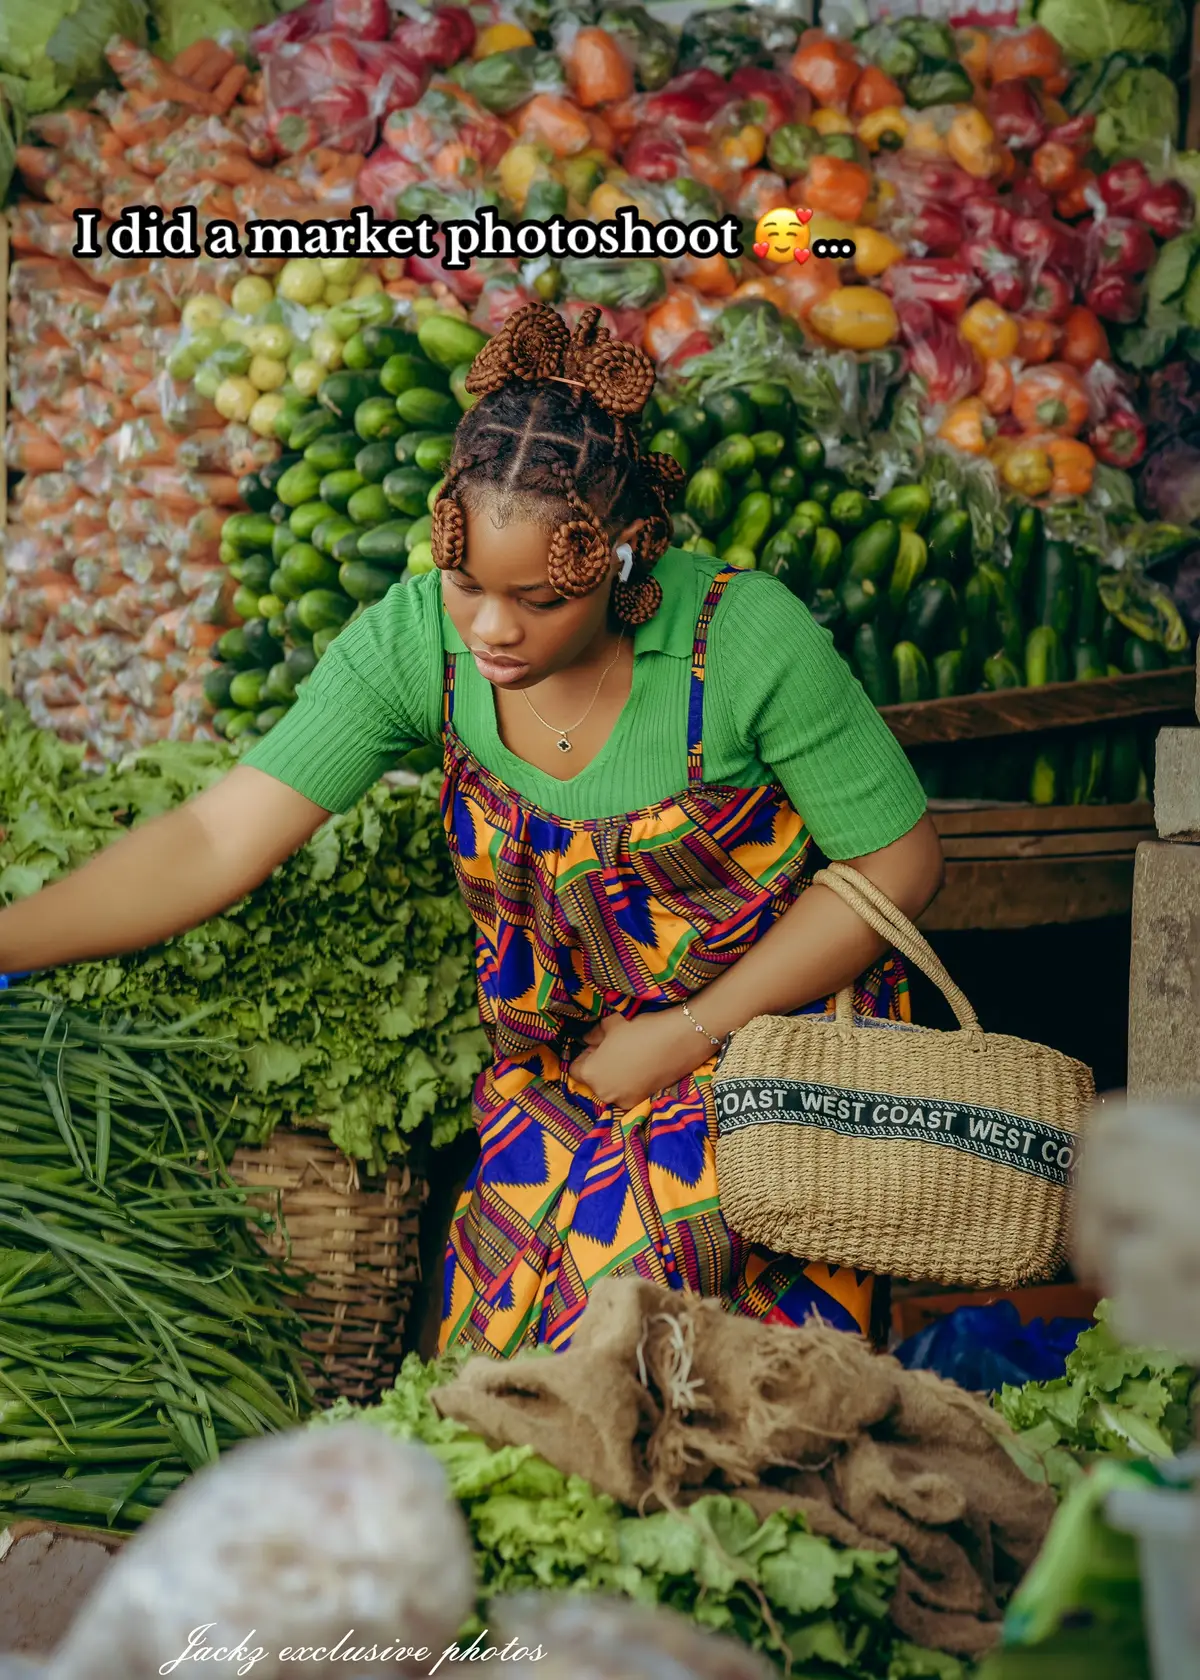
448, 538
668, 477
618, 377
532, 344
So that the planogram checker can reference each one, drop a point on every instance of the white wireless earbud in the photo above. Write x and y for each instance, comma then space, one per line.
625, 556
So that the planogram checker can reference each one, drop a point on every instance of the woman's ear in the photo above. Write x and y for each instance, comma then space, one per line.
630, 534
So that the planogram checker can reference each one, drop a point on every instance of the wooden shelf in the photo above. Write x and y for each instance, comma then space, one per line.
1025, 711
1024, 866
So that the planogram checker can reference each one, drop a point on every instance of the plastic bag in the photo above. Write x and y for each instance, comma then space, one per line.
590, 1637
949, 367
982, 1348
332, 91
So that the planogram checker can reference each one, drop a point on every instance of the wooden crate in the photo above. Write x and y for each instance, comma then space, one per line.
46, 1572
1030, 711
916, 1306
1021, 866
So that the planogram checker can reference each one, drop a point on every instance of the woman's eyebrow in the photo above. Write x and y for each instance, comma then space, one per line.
522, 588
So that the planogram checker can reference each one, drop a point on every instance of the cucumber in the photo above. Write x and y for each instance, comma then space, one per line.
708, 499
736, 554
245, 690
768, 447
860, 599
1124, 765
930, 617
421, 531
233, 649
873, 552
1046, 777
1139, 656
447, 341
751, 520
363, 582
674, 444
950, 674
375, 461
281, 541
433, 454
323, 638
404, 449
1026, 544
1089, 757
1006, 614
257, 497
873, 663
786, 557
300, 483
323, 609
774, 404
254, 570
907, 504
274, 470
308, 428
280, 685
912, 558
1000, 672
1086, 663
245, 603
733, 456
345, 547
406, 372
297, 629
304, 567
248, 531
807, 516
826, 559
949, 543
422, 407
217, 685
1056, 588
1045, 661
1088, 610
338, 487
369, 505
377, 418
331, 531
385, 545
333, 452
307, 517
729, 412
1112, 640
824, 491
914, 681
342, 392
787, 482
406, 490
283, 591
808, 453
850, 510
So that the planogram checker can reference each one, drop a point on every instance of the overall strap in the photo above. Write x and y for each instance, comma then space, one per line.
695, 756
447, 688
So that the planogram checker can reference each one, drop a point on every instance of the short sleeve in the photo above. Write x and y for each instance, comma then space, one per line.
795, 704
375, 695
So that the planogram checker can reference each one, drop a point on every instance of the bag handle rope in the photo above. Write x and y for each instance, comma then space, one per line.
879, 913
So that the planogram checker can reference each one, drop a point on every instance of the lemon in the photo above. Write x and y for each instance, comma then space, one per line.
251, 294
235, 398
265, 412
307, 376
301, 280
340, 271
366, 286
325, 347
206, 310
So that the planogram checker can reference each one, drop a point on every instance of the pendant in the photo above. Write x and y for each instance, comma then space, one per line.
563, 744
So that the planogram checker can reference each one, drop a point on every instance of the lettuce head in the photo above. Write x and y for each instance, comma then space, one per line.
1088, 30
178, 23
53, 46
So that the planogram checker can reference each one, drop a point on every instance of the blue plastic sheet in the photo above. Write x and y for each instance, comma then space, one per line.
982, 1348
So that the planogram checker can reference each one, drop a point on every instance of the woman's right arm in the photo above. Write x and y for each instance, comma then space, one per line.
164, 877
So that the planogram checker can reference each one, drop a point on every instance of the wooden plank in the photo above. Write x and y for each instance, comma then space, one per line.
1042, 819
5, 652
914, 1312
1024, 711
1008, 894
1105, 842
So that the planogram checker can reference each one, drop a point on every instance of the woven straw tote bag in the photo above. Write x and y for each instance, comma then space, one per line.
900, 1150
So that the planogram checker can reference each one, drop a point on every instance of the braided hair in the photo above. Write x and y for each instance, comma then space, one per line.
551, 437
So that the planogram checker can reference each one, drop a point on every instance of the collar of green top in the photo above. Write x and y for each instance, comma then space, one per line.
672, 630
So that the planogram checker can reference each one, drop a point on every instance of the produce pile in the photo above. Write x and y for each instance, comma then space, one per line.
144, 1329
343, 987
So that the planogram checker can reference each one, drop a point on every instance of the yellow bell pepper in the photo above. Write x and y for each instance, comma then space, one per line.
745, 148
607, 199
873, 251
886, 127
828, 227
971, 142
990, 330
925, 137
831, 122
520, 167
501, 37
855, 317
1028, 469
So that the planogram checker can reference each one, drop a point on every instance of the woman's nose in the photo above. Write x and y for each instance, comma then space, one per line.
496, 624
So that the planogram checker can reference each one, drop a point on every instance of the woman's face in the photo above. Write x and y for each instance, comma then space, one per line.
502, 605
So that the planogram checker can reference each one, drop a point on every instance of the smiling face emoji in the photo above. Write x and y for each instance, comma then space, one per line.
782, 236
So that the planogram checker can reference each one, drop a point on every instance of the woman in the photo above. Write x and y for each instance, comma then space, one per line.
631, 734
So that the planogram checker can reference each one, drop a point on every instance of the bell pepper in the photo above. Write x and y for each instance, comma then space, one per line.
771, 99
1121, 246
1050, 295
1002, 274
1075, 201
1033, 52
1120, 438
990, 330
828, 121
1033, 238
974, 53
1123, 186
971, 142
884, 129
1167, 209
855, 317
1073, 466
946, 285
874, 252
1015, 112
984, 216
939, 231
1040, 339
1084, 339
996, 392
875, 91
688, 104
827, 68
791, 148
598, 69
1054, 166
945, 84
926, 138
654, 155
949, 368
744, 147
967, 426
839, 188
846, 146
1051, 398
1028, 469
1075, 132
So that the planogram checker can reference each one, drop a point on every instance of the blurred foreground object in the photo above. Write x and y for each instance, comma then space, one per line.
595, 1638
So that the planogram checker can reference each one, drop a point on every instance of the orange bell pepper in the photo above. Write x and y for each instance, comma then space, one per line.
1084, 339
1074, 466
874, 91
838, 187
1055, 166
967, 426
1039, 338
762, 287
827, 68
996, 392
710, 276
670, 322
1073, 203
1034, 53
801, 288
1051, 398
556, 122
974, 54
971, 142
990, 330
744, 148
597, 69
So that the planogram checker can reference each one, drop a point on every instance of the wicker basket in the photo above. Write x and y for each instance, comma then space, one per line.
359, 1241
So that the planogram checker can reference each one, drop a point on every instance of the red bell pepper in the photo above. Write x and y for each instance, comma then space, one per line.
1077, 133
1034, 238
1050, 295
1015, 113
920, 180
382, 179
1002, 274
654, 155
946, 285
1120, 438
1123, 186
439, 38
362, 20
466, 283
695, 344
1167, 209
937, 355
1115, 297
688, 104
939, 231
986, 217
398, 82
1028, 199
777, 99
1121, 244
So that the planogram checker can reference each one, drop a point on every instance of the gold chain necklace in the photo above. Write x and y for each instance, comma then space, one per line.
563, 743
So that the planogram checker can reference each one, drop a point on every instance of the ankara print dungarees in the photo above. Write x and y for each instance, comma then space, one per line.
575, 920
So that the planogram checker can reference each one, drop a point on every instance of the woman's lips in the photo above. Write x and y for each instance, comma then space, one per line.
497, 670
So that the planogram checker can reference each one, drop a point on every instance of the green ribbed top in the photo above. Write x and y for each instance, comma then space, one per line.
780, 704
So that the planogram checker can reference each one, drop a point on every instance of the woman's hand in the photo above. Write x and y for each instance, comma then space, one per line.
629, 1060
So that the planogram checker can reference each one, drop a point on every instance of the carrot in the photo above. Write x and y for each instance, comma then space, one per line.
192, 57
598, 69
230, 85
28, 449
36, 165
213, 68
555, 121
139, 70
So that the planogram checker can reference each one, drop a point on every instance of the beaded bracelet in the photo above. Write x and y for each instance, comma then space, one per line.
704, 1033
